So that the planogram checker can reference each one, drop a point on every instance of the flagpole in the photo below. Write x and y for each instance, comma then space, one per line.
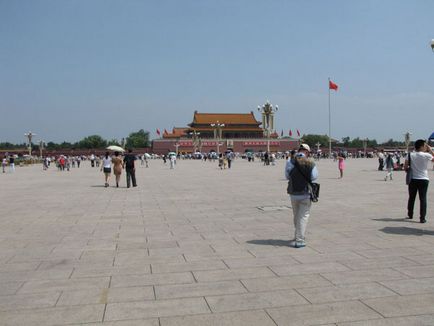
330, 126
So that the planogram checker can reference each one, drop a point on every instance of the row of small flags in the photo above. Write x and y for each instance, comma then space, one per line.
290, 133
332, 86
159, 133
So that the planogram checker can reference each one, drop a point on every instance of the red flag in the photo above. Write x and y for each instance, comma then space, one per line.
298, 133
165, 131
290, 132
333, 86
158, 132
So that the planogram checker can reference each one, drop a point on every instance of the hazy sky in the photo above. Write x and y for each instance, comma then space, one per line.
71, 68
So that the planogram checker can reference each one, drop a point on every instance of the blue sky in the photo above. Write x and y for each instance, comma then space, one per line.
69, 69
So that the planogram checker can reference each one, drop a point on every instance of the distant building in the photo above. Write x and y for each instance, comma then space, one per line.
241, 132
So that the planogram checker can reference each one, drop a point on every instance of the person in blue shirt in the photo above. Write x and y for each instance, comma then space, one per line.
297, 170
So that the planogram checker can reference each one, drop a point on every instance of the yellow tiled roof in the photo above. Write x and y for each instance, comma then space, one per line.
226, 118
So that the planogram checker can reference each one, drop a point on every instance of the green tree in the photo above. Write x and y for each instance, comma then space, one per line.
138, 139
113, 142
93, 141
346, 141
312, 140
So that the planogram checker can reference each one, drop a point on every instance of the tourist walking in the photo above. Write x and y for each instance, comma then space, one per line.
417, 162
11, 164
300, 170
107, 168
389, 167
381, 160
117, 168
341, 165
4, 163
172, 159
130, 169
92, 160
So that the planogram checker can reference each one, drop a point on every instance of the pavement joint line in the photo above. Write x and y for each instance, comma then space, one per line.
269, 316
360, 300
209, 307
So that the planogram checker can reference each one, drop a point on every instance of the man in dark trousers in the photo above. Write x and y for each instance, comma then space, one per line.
130, 168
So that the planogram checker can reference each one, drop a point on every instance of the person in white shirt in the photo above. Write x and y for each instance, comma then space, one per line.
419, 177
107, 167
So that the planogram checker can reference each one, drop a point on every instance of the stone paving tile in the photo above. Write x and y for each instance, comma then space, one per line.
232, 274
250, 318
255, 262
411, 286
136, 322
132, 260
18, 276
63, 285
102, 296
191, 257
322, 314
71, 263
390, 252
287, 282
151, 279
53, 316
422, 259
160, 308
28, 301
420, 304
186, 267
345, 292
19, 267
318, 258
10, 287
362, 276
417, 271
249, 301
109, 271
198, 289
377, 263
311, 268
426, 320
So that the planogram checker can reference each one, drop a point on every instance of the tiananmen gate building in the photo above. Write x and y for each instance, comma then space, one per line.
239, 132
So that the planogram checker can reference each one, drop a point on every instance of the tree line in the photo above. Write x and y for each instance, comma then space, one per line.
313, 139
139, 139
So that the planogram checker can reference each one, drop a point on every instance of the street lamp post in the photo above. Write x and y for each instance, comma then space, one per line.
268, 120
365, 146
218, 134
176, 147
195, 138
41, 147
29, 136
407, 139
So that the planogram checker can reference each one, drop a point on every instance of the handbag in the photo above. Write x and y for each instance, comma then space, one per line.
409, 173
313, 187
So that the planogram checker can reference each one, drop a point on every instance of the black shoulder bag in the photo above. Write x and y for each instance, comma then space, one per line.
408, 172
313, 186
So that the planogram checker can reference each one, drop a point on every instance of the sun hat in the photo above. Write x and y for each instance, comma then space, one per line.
305, 147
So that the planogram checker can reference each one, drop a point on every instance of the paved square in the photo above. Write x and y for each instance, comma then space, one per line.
200, 246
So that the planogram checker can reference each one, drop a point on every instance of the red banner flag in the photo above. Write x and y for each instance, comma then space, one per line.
298, 133
165, 132
333, 86
290, 133
158, 132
